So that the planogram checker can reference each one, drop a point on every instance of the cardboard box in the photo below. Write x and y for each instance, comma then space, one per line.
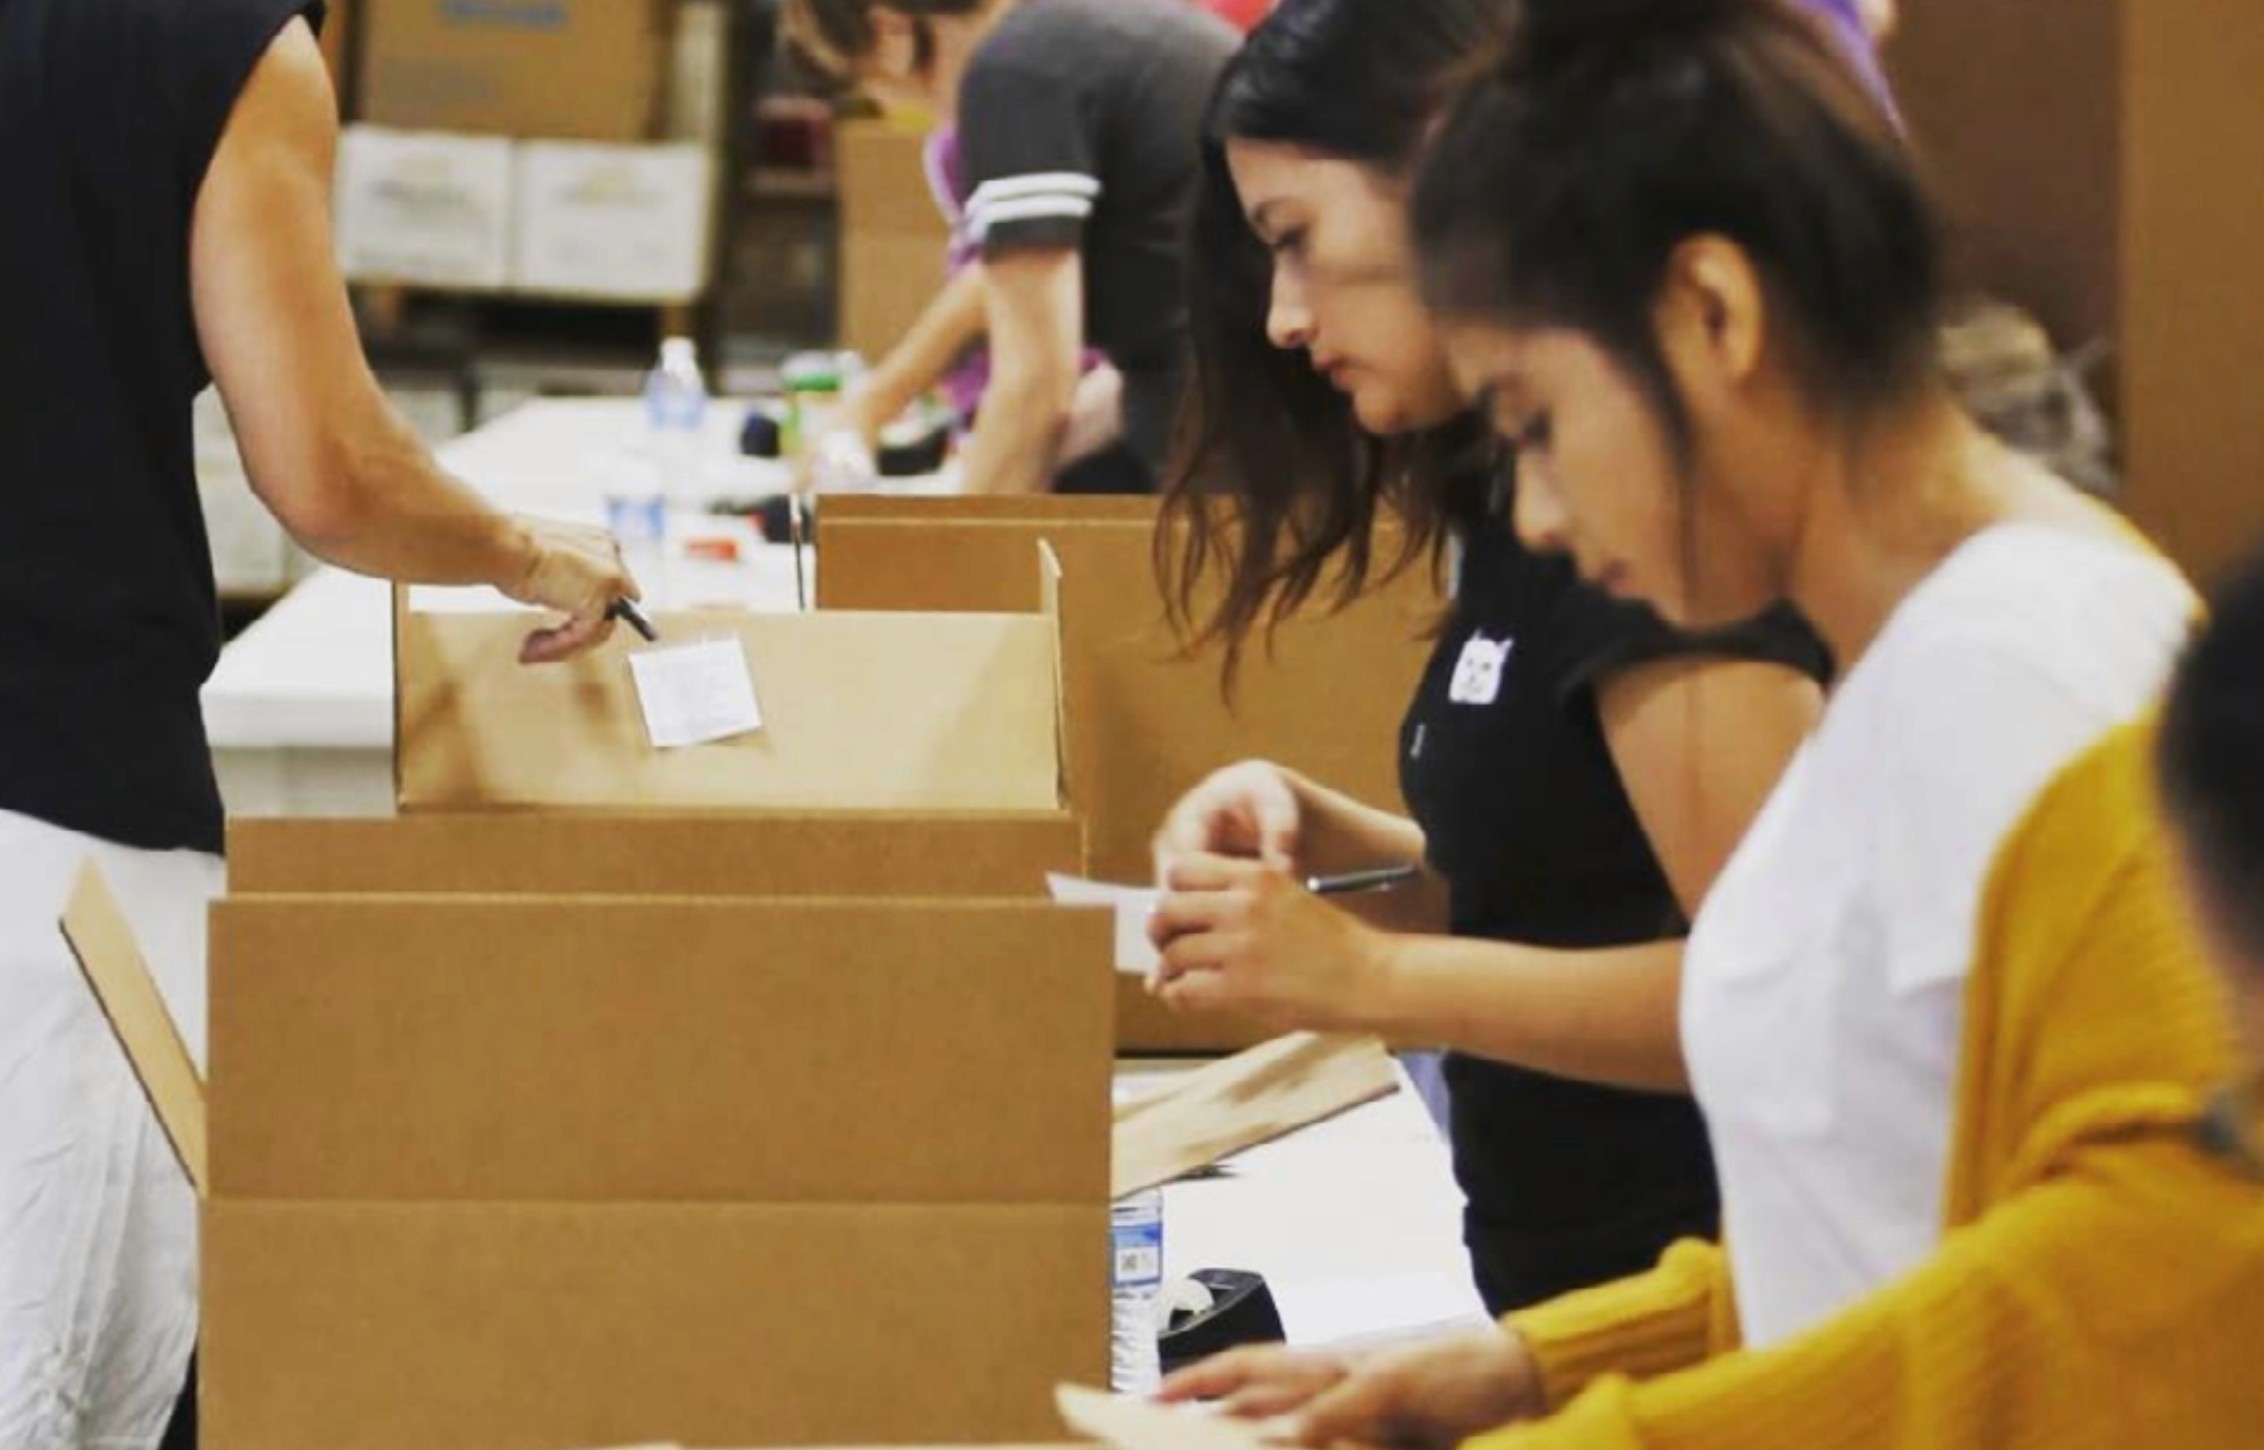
569, 70
861, 712
592, 1172
619, 223
2096, 171
894, 241
424, 209
1145, 720
567, 854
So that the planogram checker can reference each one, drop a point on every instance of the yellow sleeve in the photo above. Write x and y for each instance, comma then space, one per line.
2125, 1296
1678, 1315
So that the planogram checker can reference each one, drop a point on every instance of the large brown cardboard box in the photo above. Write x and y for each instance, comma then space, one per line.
1145, 720
2098, 159
546, 1172
562, 70
864, 712
893, 239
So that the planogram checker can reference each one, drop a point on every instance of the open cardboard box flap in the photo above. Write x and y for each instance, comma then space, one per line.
860, 712
114, 966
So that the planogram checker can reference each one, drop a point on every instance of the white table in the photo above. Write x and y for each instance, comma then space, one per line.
300, 711
1355, 1223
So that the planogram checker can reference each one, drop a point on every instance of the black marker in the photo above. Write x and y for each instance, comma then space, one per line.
628, 613
1381, 878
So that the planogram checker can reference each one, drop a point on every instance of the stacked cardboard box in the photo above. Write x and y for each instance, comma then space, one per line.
542, 1117
508, 144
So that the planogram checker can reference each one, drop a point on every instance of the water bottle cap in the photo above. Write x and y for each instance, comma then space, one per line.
679, 352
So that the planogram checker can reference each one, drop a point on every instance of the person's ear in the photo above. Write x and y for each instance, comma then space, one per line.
1712, 318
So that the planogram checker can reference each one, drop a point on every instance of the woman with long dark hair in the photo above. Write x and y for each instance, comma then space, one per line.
1576, 771
1950, 1026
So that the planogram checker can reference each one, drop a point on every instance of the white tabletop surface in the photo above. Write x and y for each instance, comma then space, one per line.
1355, 1223
316, 672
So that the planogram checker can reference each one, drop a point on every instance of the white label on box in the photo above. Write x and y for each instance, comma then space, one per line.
424, 208
1135, 954
628, 222
696, 694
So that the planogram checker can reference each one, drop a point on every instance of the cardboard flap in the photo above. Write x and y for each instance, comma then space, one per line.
871, 712
104, 944
1266, 1093
759, 854
1049, 597
659, 1050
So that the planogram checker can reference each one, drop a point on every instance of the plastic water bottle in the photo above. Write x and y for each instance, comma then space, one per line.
676, 402
1135, 1287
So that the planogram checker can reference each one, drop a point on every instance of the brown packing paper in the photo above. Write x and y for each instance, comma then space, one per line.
770, 854
870, 712
107, 953
1228, 1107
657, 1051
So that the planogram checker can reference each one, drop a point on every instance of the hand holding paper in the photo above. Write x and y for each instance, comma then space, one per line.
1133, 905
1239, 936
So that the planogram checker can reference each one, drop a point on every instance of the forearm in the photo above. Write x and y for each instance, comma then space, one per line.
1024, 418
1603, 1015
387, 509
952, 323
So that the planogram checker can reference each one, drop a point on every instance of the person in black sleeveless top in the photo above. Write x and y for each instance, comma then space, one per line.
1549, 754
166, 199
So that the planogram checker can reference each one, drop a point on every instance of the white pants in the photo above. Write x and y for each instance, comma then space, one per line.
98, 1255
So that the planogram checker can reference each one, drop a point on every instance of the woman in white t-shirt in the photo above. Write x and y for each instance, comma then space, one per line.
1681, 258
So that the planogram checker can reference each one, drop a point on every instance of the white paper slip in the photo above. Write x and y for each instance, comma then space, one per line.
1135, 954
696, 694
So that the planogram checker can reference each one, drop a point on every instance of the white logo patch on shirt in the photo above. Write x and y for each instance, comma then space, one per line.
1477, 675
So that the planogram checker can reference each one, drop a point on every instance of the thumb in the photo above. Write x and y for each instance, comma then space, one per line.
1277, 831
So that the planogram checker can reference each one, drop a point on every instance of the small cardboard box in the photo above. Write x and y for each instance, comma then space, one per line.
571, 70
620, 223
424, 209
1146, 721
894, 241
860, 712
541, 1172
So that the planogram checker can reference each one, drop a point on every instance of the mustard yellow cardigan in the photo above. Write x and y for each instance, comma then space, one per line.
2100, 1281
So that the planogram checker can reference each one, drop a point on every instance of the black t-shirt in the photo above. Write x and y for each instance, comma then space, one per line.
1504, 764
110, 112
1080, 125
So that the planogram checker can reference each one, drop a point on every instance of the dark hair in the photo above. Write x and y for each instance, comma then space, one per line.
1357, 80
1609, 132
831, 37
2211, 756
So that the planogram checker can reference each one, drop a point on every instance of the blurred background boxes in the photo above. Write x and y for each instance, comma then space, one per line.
584, 70
629, 222
424, 209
